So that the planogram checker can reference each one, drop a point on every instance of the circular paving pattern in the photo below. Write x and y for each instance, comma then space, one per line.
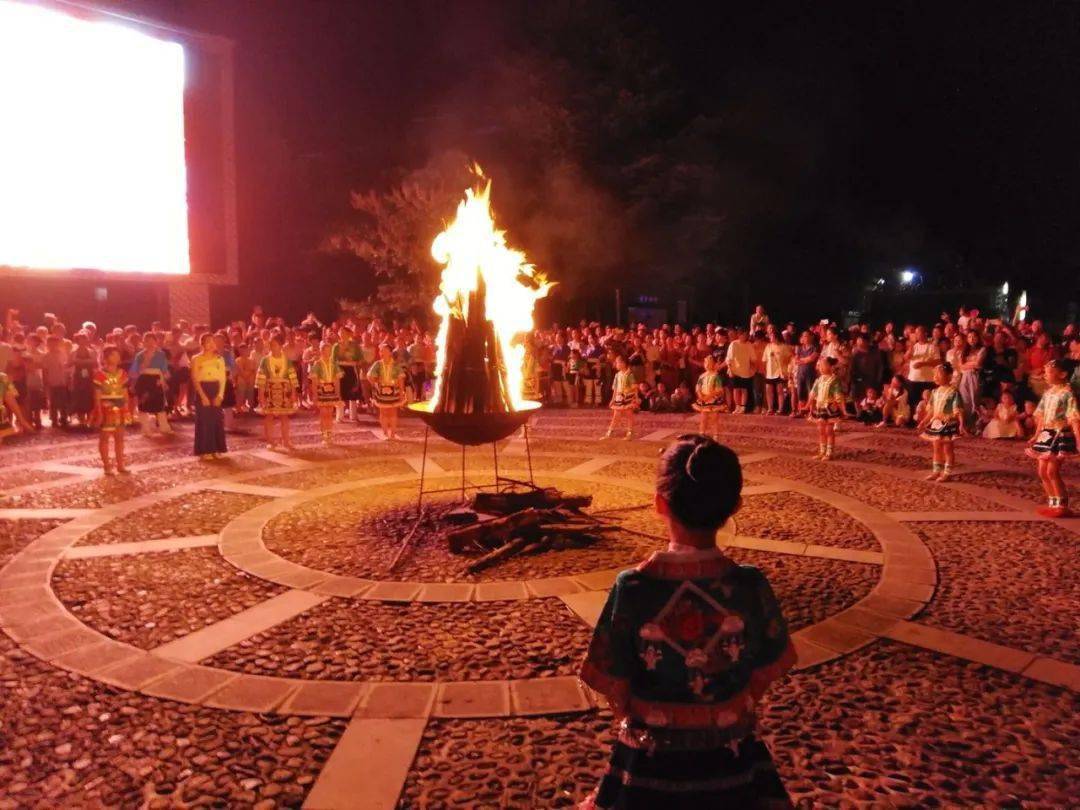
287, 606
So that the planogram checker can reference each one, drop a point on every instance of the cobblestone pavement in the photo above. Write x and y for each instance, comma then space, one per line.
231, 635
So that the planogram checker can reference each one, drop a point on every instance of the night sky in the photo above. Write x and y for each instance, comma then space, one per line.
939, 135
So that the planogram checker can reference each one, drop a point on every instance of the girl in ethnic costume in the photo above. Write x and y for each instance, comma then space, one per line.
826, 405
111, 408
387, 378
150, 370
209, 376
624, 399
943, 423
9, 406
710, 398
325, 375
686, 646
276, 382
1057, 433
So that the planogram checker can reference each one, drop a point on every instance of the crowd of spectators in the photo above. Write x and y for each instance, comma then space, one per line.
766, 366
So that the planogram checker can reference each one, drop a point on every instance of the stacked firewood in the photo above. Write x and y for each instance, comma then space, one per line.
525, 522
473, 380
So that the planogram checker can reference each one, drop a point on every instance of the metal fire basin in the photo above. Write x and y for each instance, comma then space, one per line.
471, 429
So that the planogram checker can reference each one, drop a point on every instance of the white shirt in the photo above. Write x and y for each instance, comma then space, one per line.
740, 358
923, 352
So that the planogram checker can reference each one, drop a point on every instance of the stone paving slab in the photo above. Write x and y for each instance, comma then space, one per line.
190, 684
61, 643
1052, 671
135, 673
143, 547
393, 591
553, 586
499, 591
598, 580
765, 544
41, 623
473, 699
961, 646
429, 467
868, 620
300, 577
252, 693
935, 517
587, 605
325, 698
368, 767
837, 636
446, 592
894, 585
846, 554
534, 696
810, 654
43, 514
397, 700
343, 586
96, 657
216, 637
593, 465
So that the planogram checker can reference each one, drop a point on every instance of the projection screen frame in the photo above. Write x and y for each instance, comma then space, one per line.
222, 49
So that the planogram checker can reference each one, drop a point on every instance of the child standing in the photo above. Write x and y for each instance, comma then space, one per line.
1057, 433
684, 649
209, 375
276, 381
111, 408
710, 398
826, 405
387, 378
943, 422
325, 377
624, 401
150, 370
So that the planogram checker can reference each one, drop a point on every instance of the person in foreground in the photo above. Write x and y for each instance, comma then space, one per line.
685, 647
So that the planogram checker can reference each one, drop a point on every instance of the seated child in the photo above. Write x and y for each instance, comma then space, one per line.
1027, 418
871, 407
683, 398
687, 644
1005, 423
923, 408
895, 409
645, 396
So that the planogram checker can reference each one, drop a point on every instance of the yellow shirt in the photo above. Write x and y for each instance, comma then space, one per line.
208, 368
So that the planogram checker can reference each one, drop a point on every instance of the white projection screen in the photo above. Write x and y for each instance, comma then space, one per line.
92, 170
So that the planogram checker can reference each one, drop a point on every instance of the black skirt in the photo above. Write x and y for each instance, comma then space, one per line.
1053, 442
149, 394
645, 779
350, 384
209, 422
229, 400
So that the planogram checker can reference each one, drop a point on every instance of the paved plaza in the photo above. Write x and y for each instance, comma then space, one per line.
230, 633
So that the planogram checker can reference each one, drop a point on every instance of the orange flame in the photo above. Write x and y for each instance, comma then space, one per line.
471, 247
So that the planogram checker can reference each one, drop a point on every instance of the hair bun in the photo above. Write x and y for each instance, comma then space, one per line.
702, 463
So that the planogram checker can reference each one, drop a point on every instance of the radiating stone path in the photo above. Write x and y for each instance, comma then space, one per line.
387, 718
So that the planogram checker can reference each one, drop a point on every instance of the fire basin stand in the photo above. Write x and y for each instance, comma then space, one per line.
501, 483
